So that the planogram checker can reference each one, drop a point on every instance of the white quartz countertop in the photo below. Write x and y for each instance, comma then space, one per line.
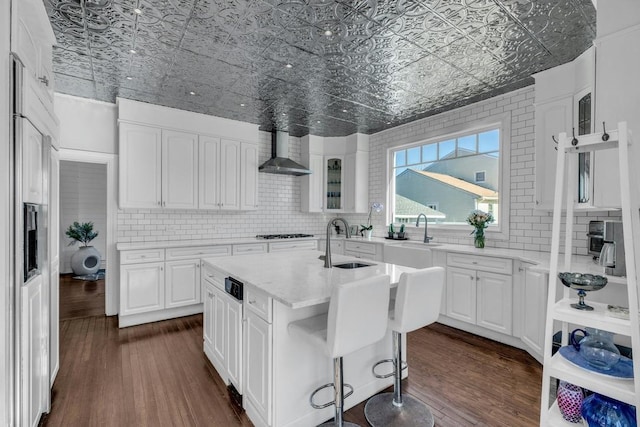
160, 244
299, 279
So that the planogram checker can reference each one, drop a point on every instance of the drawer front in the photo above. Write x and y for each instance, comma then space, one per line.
142, 255
198, 252
258, 302
252, 248
365, 248
213, 276
483, 263
293, 246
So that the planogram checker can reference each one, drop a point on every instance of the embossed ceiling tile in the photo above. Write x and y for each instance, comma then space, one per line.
382, 12
229, 9
75, 86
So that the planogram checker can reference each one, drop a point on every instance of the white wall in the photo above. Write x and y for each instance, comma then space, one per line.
83, 198
529, 229
86, 124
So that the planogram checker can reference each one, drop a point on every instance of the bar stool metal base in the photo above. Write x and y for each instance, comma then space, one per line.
381, 411
333, 424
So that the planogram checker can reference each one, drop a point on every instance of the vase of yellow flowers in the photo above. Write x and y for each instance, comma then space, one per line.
479, 220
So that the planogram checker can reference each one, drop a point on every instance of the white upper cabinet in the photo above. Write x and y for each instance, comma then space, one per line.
229, 175
219, 173
179, 170
313, 185
32, 40
162, 166
32, 173
249, 178
140, 169
339, 181
617, 95
565, 103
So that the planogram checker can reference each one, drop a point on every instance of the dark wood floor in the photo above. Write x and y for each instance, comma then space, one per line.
157, 375
80, 298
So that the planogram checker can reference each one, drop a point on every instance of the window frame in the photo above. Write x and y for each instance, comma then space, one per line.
484, 176
500, 121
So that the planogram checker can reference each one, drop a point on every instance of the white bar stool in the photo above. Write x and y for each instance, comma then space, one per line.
417, 304
357, 317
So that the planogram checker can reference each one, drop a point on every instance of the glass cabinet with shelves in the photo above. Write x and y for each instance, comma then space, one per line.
334, 183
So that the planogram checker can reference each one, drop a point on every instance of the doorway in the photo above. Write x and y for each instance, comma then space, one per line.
83, 200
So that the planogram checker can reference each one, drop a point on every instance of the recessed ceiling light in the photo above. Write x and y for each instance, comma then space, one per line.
129, 78
318, 121
132, 51
484, 48
344, 111
289, 66
328, 33
242, 105
138, 11
388, 123
284, 114
192, 93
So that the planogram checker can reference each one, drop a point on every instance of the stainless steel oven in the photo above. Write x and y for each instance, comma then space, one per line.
30, 250
595, 238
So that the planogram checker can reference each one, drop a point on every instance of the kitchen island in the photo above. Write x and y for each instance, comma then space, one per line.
275, 373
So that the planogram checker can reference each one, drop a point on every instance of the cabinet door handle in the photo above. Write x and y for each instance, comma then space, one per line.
198, 265
210, 294
161, 268
472, 277
44, 80
252, 301
143, 256
159, 203
520, 269
474, 262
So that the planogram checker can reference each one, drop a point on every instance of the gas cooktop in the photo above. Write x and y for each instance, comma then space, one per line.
283, 236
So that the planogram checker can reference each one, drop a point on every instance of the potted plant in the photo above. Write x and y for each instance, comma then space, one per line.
391, 231
401, 232
368, 229
87, 259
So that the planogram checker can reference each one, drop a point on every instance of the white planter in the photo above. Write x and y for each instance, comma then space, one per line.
368, 233
85, 261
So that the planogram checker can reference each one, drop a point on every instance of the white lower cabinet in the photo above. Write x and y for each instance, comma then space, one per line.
141, 288
258, 335
182, 281
222, 335
361, 249
534, 310
484, 298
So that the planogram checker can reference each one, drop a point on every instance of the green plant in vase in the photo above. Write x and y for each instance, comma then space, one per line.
391, 231
86, 261
368, 229
479, 220
401, 232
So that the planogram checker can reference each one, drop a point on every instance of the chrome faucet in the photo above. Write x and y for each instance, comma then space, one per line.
327, 253
427, 239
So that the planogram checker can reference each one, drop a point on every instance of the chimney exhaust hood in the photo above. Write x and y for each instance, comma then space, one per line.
279, 163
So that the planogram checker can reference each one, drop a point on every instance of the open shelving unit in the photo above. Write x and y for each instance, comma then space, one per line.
560, 311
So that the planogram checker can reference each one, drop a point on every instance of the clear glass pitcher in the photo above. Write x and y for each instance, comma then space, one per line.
597, 347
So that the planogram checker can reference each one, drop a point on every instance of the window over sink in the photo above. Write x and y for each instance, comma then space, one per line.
447, 175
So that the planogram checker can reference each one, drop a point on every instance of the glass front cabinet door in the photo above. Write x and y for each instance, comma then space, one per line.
333, 185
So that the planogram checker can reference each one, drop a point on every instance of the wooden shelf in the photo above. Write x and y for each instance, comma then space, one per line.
596, 319
622, 390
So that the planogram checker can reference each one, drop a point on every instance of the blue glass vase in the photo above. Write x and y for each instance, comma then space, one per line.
602, 411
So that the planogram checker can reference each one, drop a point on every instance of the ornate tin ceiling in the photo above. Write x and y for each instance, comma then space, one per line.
326, 67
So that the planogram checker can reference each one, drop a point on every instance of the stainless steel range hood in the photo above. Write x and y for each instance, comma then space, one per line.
279, 163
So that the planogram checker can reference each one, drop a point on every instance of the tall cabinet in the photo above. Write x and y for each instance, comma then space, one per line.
340, 174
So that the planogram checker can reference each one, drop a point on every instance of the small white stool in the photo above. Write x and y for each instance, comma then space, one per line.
357, 317
417, 304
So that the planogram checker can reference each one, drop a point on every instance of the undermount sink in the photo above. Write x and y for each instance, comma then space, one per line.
350, 265
409, 254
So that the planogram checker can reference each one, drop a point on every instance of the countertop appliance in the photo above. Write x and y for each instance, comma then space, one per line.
595, 238
234, 288
283, 236
612, 254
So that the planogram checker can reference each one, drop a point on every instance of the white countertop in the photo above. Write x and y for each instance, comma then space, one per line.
541, 260
299, 279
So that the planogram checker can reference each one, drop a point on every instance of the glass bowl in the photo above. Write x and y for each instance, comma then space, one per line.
583, 283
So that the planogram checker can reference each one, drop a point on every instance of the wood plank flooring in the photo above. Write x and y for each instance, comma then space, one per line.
157, 375
80, 298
